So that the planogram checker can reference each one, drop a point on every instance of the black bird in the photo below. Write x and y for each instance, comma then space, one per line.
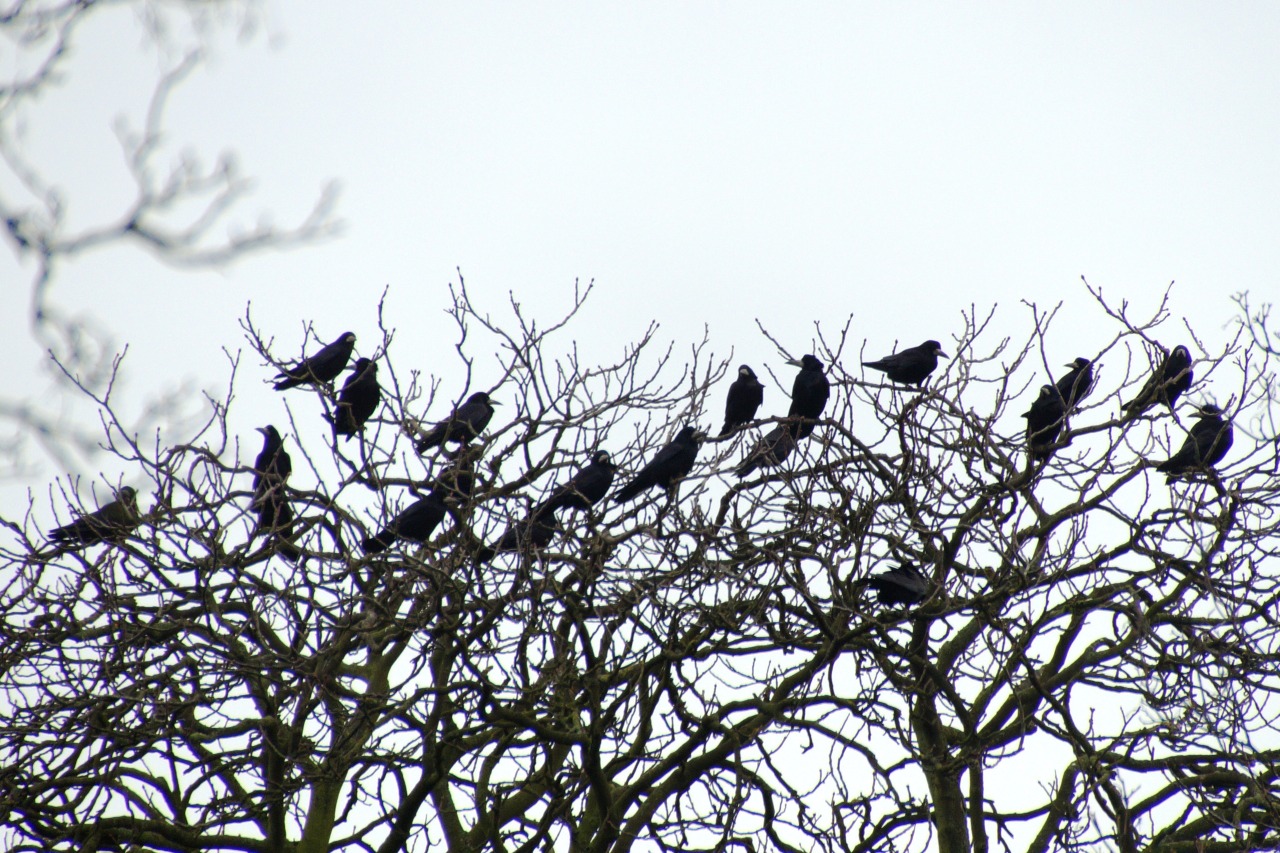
1044, 423
1205, 445
109, 522
584, 489
270, 471
1077, 383
531, 534
1169, 382
669, 465
359, 398
466, 422
809, 394
272, 467
910, 366
903, 585
320, 368
771, 450
415, 523
745, 396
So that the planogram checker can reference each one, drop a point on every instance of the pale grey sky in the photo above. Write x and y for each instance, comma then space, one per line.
703, 163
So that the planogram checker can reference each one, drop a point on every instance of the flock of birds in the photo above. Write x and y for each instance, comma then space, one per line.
1206, 444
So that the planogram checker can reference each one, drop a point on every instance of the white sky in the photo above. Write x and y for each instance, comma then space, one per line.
704, 163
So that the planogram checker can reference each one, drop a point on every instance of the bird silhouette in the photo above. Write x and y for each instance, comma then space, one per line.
809, 394
415, 523
744, 398
910, 366
1075, 385
109, 523
1206, 444
358, 399
320, 368
1044, 423
671, 463
903, 585
464, 424
584, 489
530, 534
1166, 384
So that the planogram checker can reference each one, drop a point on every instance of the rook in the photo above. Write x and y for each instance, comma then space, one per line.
670, 464
1205, 445
911, 366
320, 368
745, 395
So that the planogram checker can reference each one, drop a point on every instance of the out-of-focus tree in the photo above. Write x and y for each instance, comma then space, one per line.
1092, 666
185, 210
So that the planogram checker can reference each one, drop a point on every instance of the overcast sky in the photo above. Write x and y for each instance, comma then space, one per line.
706, 163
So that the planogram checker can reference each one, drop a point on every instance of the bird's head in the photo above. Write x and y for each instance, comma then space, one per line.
746, 372
1079, 363
1208, 410
348, 338
603, 459
482, 397
935, 348
809, 362
270, 433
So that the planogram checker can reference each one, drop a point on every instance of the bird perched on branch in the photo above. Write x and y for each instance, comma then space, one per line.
1044, 423
745, 396
270, 471
358, 399
109, 523
1205, 445
903, 585
910, 366
1166, 384
1076, 384
771, 450
809, 394
321, 368
415, 523
584, 489
272, 467
464, 424
669, 465
530, 534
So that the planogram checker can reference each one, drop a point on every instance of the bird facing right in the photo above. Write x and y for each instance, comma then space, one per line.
584, 489
1205, 445
463, 424
669, 465
322, 367
910, 366
109, 522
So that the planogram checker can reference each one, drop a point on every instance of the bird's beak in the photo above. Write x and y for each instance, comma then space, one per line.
794, 363
494, 403
262, 430
943, 354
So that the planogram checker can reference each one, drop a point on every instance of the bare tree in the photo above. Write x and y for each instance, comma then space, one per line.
184, 211
1092, 667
